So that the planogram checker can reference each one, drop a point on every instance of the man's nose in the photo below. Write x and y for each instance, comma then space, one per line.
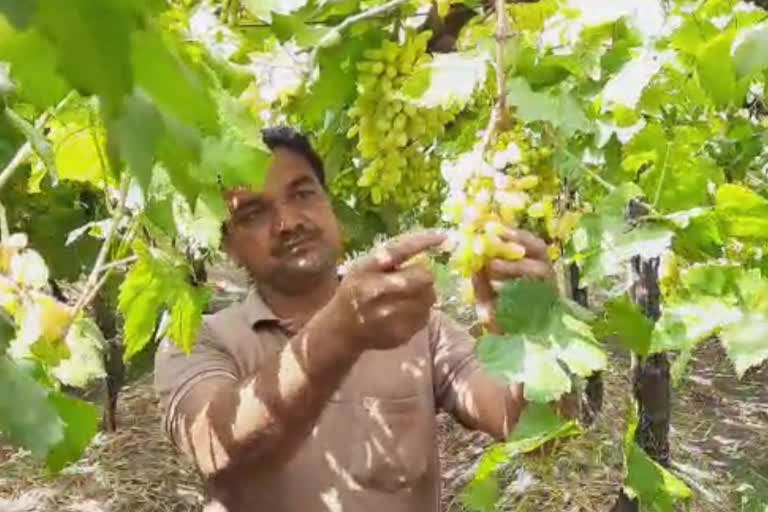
288, 219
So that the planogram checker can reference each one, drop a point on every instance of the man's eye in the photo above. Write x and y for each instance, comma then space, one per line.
305, 194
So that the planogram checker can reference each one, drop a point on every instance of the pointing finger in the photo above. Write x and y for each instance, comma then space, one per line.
399, 250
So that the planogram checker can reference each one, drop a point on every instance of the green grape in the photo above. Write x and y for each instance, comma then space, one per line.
393, 135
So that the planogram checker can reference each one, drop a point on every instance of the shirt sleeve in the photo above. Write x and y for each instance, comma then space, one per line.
177, 373
463, 388
453, 359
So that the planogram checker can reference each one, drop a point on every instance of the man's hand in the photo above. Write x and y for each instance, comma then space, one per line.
535, 264
382, 303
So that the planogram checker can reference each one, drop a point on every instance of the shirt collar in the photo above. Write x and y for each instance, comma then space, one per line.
258, 313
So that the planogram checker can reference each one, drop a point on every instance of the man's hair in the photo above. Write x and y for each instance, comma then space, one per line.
287, 137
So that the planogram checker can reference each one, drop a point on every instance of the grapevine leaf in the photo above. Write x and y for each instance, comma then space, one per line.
521, 360
560, 109
170, 83
682, 326
202, 225
34, 66
448, 79
85, 363
93, 43
36, 140
714, 68
141, 300
742, 212
654, 486
18, 13
700, 239
750, 52
189, 303
237, 163
136, 131
263, 9
294, 28
78, 149
525, 305
26, 416
628, 324
335, 86
481, 494
673, 176
81, 423
538, 425
745, 342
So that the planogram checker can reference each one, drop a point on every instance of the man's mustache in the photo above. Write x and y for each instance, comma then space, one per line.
288, 241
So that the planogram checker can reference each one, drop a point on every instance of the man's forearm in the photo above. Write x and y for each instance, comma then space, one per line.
263, 420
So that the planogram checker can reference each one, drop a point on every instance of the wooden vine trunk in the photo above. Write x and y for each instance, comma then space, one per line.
592, 398
651, 376
106, 319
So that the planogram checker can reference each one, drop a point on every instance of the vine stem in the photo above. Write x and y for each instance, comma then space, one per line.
336, 31
499, 113
26, 149
93, 283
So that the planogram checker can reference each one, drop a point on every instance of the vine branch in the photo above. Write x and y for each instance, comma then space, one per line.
499, 115
26, 149
336, 31
93, 283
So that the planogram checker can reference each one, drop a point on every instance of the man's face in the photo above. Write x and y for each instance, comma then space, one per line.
286, 234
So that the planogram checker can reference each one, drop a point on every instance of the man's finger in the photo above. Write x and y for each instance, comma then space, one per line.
484, 298
503, 270
534, 246
409, 279
399, 250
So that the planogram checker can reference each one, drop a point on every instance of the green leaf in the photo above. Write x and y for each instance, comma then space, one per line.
186, 315
655, 487
34, 66
560, 109
85, 362
674, 177
142, 296
538, 425
263, 9
236, 163
294, 28
37, 140
518, 359
526, 305
746, 342
93, 43
20, 13
27, 418
136, 131
742, 212
624, 320
81, 423
172, 84
750, 52
715, 71
448, 79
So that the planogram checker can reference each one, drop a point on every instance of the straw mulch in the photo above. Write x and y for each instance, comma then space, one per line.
719, 436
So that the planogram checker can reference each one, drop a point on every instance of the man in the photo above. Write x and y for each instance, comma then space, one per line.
318, 393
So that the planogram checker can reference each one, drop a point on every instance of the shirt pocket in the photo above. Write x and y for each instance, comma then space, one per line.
394, 438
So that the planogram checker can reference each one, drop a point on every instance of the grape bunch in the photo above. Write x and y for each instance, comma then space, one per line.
393, 133
509, 186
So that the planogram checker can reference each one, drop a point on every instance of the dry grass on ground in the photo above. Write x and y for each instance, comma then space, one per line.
720, 446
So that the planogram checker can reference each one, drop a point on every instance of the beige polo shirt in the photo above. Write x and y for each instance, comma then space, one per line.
374, 446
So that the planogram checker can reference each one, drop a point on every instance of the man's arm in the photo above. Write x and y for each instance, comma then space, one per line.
476, 399
222, 423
